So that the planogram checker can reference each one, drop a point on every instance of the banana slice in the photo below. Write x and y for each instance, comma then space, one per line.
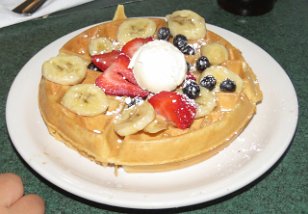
134, 119
85, 100
187, 23
65, 69
100, 45
222, 73
215, 52
135, 28
206, 102
157, 125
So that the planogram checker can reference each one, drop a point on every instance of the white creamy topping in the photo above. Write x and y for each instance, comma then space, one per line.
158, 66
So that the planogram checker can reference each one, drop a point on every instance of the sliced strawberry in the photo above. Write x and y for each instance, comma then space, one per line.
118, 80
126, 72
103, 61
132, 46
174, 107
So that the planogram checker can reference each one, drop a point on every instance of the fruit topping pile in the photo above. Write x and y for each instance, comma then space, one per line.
152, 69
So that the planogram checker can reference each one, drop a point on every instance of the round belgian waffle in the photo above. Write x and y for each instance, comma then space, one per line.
95, 138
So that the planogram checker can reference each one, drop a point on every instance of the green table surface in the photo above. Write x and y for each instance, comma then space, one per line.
282, 33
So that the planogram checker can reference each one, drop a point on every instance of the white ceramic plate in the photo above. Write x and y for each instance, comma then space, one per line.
261, 144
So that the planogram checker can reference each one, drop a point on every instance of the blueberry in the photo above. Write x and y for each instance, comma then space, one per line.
180, 41
228, 85
208, 82
202, 63
191, 89
163, 33
93, 67
188, 50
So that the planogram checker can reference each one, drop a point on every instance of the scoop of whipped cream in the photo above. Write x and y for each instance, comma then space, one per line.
158, 66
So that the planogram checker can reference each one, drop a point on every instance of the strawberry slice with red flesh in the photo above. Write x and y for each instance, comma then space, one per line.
174, 107
103, 61
119, 80
133, 45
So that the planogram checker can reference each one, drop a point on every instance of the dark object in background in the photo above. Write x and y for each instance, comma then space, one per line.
247, 7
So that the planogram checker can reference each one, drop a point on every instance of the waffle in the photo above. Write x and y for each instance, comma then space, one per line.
173, 148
